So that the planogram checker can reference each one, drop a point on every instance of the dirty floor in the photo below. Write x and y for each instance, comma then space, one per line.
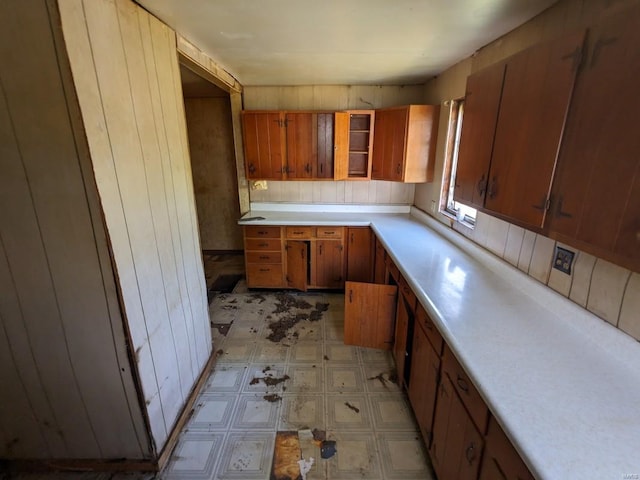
283, 367
284, 378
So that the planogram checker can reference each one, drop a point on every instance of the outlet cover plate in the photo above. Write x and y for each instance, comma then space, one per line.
563, 260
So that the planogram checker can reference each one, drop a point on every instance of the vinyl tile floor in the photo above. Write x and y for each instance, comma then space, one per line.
302, 377
307, 379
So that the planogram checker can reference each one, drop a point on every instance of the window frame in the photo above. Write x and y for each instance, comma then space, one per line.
448, 206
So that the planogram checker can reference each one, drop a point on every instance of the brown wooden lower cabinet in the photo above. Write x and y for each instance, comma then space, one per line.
423, 382
369, 315
500, 460
360, 252
456, 448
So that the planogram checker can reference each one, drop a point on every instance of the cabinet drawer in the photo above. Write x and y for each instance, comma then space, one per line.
299, 232
329, 232
269, 244
430, 329
267, 275
471, 399
259, 231
264, 257
393, 270
409, 296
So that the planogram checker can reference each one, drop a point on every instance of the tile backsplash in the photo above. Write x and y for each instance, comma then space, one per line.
361, 192
607, 290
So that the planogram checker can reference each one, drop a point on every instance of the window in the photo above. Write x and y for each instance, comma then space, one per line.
448, 205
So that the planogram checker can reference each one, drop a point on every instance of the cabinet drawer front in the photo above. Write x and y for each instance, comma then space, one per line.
264, 257
393, 270
259, 231
267, 275
269, 244
430, 329
299, 232
470, 397
408, 294
329, 232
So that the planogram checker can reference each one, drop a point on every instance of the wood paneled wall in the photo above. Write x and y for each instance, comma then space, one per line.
214, 172
333, 97
66, 384
126, 74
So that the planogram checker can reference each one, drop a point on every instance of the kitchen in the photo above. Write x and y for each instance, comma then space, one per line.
606, 283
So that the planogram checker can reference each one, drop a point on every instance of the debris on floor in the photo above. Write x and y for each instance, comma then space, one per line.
328, 449
383, 378
286, 454
223, 328
351, 407
269, 381
272, 397
288, 303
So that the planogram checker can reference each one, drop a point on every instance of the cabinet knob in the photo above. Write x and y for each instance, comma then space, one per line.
470, 453
492, 190
482, 185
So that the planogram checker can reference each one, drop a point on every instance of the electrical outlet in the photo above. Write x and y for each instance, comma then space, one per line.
563, 260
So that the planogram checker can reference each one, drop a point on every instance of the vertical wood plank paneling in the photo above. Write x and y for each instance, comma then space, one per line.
85, 77
117, 105
201, 320
149, 144
131, 101
162, 42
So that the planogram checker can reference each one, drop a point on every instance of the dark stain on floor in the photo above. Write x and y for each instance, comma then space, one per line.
285, 304
272, 397
223, 328
269, 381
383, 378
351, 407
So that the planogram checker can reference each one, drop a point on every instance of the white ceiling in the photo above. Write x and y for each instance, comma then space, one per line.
335, 42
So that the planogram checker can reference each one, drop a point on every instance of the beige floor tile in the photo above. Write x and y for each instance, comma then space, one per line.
246, 456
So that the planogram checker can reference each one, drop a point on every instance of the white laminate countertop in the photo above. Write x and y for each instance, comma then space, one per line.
564, 384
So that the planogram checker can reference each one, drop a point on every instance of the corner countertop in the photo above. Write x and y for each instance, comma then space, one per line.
563, 384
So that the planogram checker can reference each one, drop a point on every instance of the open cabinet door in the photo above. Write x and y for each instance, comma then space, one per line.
297, 264
369, 315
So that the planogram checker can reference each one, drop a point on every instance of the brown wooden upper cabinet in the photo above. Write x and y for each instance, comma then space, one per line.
596, 193
529, 109
481, 105
353, 144
288, 145
404, 143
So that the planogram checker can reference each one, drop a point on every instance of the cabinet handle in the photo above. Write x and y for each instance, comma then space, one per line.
352, 239
482, 185
263, 257
543, 206
560, 213
350, 296
321, 165
428, 326
265, 269
298, 233
601, 42
302, 254
462, 383
470, 453
263, 244
398, 169
252, 168
492, 190
307, 168
320, 249
263, 232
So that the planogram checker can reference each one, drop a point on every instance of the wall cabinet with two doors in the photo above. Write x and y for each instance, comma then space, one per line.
396, 144
549, 140
304, 257
463, 439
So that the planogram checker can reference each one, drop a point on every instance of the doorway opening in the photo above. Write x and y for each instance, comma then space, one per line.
215, 183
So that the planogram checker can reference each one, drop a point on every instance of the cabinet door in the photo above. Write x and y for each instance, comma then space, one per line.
423, 382
500, 460
457, 446
297, 264
597, 187
302, 145
329, 264
369, 315
537, 89
381, 144
400, 352
264, 144
394, 167
324, 168
360, 254
481, 105
341, 146
380, 269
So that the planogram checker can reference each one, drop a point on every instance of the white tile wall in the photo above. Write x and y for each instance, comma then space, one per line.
367, 192
608, 283
605, 289
630, 311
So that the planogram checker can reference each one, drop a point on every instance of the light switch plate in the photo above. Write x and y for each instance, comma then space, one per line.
563, 260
